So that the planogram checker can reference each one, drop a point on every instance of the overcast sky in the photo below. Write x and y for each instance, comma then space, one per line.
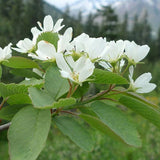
60, 3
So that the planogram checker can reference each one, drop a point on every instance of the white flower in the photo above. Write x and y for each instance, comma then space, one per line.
25, 46
77, 71
134, 52
45, 51
113, 51
141, 84
90, 47
64, 40
109, 67
48, 25
6, 52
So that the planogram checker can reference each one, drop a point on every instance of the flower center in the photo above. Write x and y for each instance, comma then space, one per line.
75, 76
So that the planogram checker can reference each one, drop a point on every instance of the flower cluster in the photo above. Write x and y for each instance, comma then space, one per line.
76, 57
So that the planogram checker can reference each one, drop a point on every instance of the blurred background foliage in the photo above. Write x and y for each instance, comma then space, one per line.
16, 19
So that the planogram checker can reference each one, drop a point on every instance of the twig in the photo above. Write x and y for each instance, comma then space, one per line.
5, 126
69, 112
3, 101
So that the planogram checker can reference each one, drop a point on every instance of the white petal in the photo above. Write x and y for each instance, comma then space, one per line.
35, 32
105, 65
65, 74
131, 70
48, 23
57, 26
146, 88
64, 40
86, 71
143, 79
141, 53
61, 63
7, 51
46, 50
28, 44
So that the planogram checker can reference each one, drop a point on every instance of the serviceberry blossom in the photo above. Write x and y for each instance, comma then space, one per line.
109, 67
5, 53
47, 51
90, 47
113, 51
48, 25
141, 84
78, 71
135, 53
25, 46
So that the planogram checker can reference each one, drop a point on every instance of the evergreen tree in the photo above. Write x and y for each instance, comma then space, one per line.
90, 27
16, 20
141, 32
136, 30
66, 17
78, 24
123, 32
34, 12
109, 28
146, 30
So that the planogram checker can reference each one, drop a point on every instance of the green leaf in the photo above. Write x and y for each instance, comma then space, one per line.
40, 98
33, 82
25, 73
117, 122
49, 37
141, 98
54, 83
0, 71
81, 90
7, 112
145, 110
19, 99
87, 110
62, 103
20, 62
28, 133
70, 127
11, 89
106, 77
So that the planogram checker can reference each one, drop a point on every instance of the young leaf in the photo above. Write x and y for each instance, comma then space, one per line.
60, 103
7, 112
19, 99
25, 73
54, 83
70, 127
106, 77
117, 122
40, 98
33, 82
144, 109
11, 89
28, 133
49, 37
20, 62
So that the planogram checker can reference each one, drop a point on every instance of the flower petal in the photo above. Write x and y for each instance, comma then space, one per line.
57, 26
48, 23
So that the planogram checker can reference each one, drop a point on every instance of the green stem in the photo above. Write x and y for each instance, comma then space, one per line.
90, 99
129, 64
